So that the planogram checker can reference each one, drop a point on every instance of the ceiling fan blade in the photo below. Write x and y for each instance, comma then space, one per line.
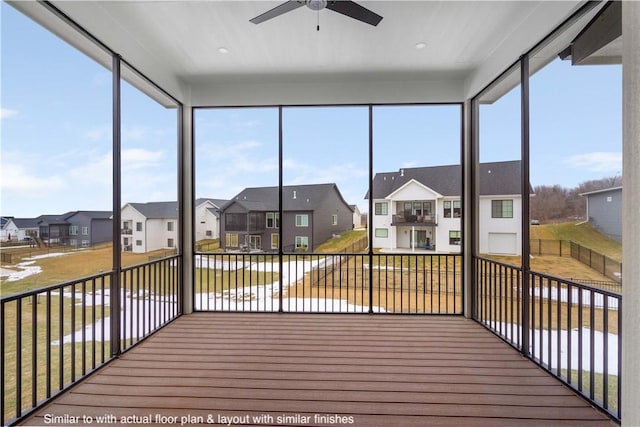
278, 10
355, 11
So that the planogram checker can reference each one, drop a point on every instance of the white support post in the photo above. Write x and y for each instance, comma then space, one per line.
186, 182
631, 213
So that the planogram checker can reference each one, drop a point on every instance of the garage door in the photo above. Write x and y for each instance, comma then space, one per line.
503, 243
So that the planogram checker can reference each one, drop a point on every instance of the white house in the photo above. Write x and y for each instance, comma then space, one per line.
9, 231
420, 208
357, 216
208, 218
151, 226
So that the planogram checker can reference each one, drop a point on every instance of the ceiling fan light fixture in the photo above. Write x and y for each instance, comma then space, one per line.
223, 50
421, 45
316, 5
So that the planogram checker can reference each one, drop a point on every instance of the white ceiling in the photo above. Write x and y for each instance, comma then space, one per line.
286, 61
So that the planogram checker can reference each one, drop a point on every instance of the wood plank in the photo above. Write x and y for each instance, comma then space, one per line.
380, 370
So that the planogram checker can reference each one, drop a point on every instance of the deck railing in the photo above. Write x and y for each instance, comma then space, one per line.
54, 336
335, 283
570, 329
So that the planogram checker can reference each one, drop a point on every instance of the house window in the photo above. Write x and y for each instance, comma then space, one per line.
255, 242
73, 242
447, 208
302, 221
334, 219
85, 231
302, 242
170, 226
273, 219
382, 232
452, 208
125, 225
454, 237
138, 242
235, 221
209, 233
231, 240
85, 243
138, 226
457, 211
73, 230
275, 240
169, 243
502, 209
382, 209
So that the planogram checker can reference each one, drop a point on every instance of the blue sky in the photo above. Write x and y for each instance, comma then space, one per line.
56, 134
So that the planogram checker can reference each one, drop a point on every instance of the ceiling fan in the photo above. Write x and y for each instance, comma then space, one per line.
347, 8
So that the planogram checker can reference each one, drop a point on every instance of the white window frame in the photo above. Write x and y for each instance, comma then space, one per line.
170, 226
300, 240
85, 231
302, 220
382, 233
73, 230
384, 208
276, 237
334, 219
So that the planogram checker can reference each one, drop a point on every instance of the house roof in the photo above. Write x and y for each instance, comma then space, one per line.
495, 178
604, 190
157, 210
54, 219
23, 223
294, 197
93, 214
218, 202
4, 221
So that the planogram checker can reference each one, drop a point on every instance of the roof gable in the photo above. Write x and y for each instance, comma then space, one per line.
294, 197
496, 178
414, 190
157, 210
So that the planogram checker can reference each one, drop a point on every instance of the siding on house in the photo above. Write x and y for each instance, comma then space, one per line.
319, 202
420, 207
604, 211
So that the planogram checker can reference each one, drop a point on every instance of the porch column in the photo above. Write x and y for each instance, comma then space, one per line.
186, 198
467, 217
631, 212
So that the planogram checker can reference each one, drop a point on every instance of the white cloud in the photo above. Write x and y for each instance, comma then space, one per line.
597, 161
134, 134
16, 178
6, 113
99, 133
139, 158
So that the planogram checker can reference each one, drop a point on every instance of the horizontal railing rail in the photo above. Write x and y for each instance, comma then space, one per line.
336, 283
573, 330
54, 336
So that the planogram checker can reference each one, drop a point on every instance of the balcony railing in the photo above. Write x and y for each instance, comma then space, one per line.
126, 231
54, 336
570, 329
336, 283
400, 219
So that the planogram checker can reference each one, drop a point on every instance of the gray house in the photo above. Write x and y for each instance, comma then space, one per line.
312, 214
89, 228
604, 211
76, 228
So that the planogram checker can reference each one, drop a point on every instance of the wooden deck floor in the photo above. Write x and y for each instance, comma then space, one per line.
354, 369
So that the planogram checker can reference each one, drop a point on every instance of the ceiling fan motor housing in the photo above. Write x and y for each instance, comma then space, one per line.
316, 4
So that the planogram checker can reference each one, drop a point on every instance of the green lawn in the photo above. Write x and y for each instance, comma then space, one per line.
584, 234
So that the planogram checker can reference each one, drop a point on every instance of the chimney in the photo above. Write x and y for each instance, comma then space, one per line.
401, 172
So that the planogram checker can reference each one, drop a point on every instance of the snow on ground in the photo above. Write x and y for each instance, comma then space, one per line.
26, 268
598, 298
540, 349
136, 308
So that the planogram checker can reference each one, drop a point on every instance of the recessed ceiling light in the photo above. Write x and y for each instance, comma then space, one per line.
223, 50
421, 45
